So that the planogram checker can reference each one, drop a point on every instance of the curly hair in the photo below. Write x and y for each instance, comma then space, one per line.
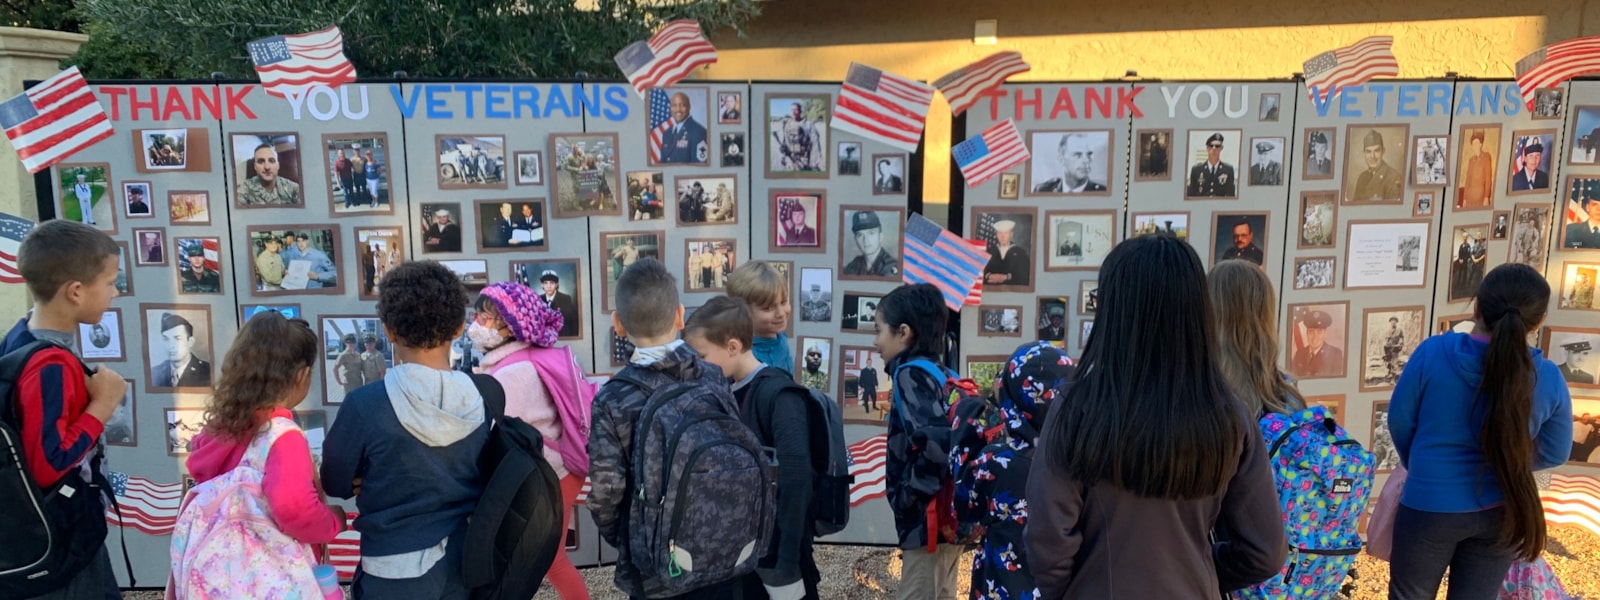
422, 303
261, 368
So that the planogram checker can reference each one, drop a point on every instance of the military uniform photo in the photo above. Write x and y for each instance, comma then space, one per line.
869, 252
1379, 181
1212, 177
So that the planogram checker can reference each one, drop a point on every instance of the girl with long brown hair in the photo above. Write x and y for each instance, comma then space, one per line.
1245, 311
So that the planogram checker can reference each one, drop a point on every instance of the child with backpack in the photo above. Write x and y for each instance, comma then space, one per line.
680, 486
767, 292
517, 332
54, 413
407, 448
775, 407
251, 454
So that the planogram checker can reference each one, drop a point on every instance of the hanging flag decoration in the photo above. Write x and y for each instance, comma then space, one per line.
975, 297
963, 87
676, 50
53, 120
1552, 65
12, 230
1572, 499
290, 65
882, 106
144, 505
1331, 71
998, 148
936, 256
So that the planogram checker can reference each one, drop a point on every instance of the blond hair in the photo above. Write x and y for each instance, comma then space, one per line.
1245, 309
758, 283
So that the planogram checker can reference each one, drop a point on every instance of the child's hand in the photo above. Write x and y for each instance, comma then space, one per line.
106, 389
355, 487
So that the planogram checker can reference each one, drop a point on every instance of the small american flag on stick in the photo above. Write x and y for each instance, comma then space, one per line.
996, 149
1551, 65
53, 120
936, 256
290, 65
963, 87
675, 50
12, 231
882, 106
1331, 71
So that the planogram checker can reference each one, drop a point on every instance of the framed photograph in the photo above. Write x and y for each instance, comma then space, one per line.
1547, 104
1580, 229
530, 167
102, 342
474, 274
816, 295
152, 245
314, 424
676, 131
1155, 155
1430, 160
621, 250
360, 176
1469, 261
295, 261
85, 195
647, 200
1211, 155
1371, 153
730, 108
1069, 162
471, 161
1000, 321
733, 149
985, 369
1388, 336
1266, 161
439, 227
864, 388
710, 262
162, 150
1240, 235
289, 311
178, 344
123, 428
1387, 458
859, 312
814, 362
267, 169
888, 174
1532, 152
1169, 223
1320, 150
1573, 351
124, 267
1267, 111
586, 176
378, 250
1386, 254
1500, 226
1088, 297
1475, 167
189, 207
1422, 203
799, 224
1530, 235
1585, 137
1010, 236
1078, 239
707, 199
1085, 329
870, 249
1585, 431
1319, 220
1316, 339
355, 352
1052, 319
1314, 272
797, 135
136, 200
1578, 286
515, 225
182, 425
850, 158
1461, 323
1010, 186
560, 284
1333, 403
199, 261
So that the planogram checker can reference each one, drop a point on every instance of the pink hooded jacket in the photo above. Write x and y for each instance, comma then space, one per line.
289, 482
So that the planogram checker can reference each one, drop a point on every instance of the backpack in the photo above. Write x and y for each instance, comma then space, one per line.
1324, 479
225, 543
830, 456
956, 393
703, 490
571, 393
517, 528
50, 534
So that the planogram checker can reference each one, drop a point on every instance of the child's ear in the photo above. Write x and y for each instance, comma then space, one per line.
903, 331
677, 322
616, 325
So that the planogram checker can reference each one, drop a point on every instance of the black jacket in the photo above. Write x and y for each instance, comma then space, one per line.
781, 421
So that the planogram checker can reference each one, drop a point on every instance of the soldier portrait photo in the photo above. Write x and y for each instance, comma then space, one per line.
1153, 160
439, 225
1268, 109
1319, 149
511, 225
1430, 160
1319, 217
709, 263
888, 174
859, 311
1422, 204
1584, 140
1475, 167
1010, 186
816, 357
295, 261
1173, 224
1212, 156
816, 295
355, 352
1316, 340
1529, 234
1052, 321
798, 221
151, 247
164, 149
647, 200
558, 284
1239, 236
378, 251
136, 199
1578, 282
869, 246
102, 341
619, 251
1313, 273
797, 135
733, 149
1388, 337
1000, 321
1078, 239
1500, 227
530, 167
267, 167
189, 207
849, 158
85, 195
1581, 219
1069, 162
1575, 353
358, 173
1469, 254
199, 265
1547, 104
730, 108
587, 181
707, 199
178, 347
675, 132
1530, 159
1370, 174
469, 161
1009, 237
1266, 161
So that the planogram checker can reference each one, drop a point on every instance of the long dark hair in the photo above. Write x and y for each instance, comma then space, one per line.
1512, 300
1147, 410
260, 368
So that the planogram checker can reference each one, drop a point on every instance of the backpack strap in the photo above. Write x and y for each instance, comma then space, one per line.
260, 447
494, 396
938, 372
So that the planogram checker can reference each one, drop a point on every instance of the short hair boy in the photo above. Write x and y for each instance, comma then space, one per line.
767, 291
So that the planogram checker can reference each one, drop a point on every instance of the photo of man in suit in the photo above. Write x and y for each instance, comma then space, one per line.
1530, 177
887, 178
1319, 154
1075, 154
683, 140
181, 367
1212, 178
1572, 369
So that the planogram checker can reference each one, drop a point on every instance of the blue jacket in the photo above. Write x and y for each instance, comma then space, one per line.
775, 352
1436, 417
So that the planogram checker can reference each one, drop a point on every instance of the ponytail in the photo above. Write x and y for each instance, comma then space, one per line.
1508, 386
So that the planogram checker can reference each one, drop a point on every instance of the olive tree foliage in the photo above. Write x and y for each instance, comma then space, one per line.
425, 38
56, 15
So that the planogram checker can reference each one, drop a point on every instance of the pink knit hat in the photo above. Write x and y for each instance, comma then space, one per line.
531, 320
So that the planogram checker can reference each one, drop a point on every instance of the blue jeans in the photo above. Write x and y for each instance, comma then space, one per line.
1425, 543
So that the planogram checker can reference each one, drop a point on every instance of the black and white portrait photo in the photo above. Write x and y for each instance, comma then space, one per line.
1154, 160
1069, 162
123, 428
1266, 161
1547, 104
888, 174
1371, 155
1010, 186
1009, 236
849, 158
1268, 110
816, 295
1319, 212
182, 425
869, 246
733, 149
859, 311
530, 168
1576, 353
178, 347
1319, 147
102, 341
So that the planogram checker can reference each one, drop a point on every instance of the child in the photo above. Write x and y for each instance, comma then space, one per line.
910, 325
71, 272
407, 447
760, 285
720, 332
515, 330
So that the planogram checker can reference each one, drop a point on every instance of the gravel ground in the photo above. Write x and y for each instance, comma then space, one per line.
857, 573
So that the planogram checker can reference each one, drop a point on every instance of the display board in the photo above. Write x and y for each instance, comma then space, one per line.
1572, 334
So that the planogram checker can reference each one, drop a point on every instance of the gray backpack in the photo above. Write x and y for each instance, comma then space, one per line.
830, 455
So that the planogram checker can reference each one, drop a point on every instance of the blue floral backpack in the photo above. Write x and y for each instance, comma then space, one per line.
1324, 480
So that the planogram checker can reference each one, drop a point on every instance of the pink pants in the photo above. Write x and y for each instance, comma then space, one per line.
562, 575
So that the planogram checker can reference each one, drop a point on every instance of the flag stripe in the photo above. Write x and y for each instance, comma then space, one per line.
314, 59
675, 50
882, 106
1003, 149
58, 117
979, 78
936, 256
1326, 74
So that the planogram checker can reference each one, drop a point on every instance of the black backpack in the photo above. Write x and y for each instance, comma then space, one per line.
830, 456
516, 529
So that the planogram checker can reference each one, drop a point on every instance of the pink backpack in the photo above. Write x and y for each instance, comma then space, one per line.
571, 393
226, 545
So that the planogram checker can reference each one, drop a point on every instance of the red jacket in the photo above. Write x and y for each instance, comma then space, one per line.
52, 399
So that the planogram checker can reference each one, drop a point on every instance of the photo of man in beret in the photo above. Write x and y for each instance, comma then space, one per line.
1212, 178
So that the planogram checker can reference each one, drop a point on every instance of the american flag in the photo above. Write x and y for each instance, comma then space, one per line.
943, 259
1573, 500
1331, 71
12, 230
1547, 67
293, 64
667, 57
344, 552
660, 112
963, 87
53, 120
882, 106
996, 149
1581, 188
975, 297
147, 506
211, 248
868, 457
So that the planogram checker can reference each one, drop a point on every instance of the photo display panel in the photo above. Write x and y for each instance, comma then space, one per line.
1571, 336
